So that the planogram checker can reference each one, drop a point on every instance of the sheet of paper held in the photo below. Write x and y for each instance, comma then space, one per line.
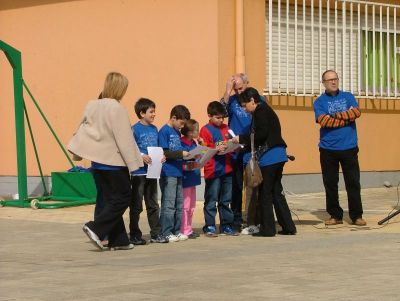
154, 169
199, 150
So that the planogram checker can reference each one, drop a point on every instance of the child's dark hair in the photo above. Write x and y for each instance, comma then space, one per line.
142, 105
180, 112
216, 108
247, 95
190, 126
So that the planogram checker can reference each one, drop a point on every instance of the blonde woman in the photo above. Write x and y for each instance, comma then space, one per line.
104, 137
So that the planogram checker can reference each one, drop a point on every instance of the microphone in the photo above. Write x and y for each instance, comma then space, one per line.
291, 158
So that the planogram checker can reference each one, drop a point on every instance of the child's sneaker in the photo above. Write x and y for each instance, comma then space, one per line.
210, 231
172, 238
227, 230
182, 237
193, 235
159, 239
250, 230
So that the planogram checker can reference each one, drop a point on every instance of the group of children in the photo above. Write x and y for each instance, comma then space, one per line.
179, 177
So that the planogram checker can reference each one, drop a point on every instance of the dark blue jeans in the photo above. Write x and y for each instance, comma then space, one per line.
237, 190
171, 205
218, 190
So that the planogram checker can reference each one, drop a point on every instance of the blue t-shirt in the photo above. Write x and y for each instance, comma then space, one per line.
239, 120
170, 139
190, 177
272, 156
145, 136
343, 138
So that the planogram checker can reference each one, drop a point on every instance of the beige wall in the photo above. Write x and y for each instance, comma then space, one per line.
168, 50
173, 51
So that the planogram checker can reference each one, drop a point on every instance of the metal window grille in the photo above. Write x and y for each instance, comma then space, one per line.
358, 39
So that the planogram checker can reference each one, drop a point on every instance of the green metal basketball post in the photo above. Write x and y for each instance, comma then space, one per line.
68, 189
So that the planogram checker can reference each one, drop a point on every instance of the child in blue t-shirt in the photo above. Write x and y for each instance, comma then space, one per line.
169, 138
146, 135
191, 177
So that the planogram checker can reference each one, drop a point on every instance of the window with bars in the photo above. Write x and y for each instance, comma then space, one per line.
358, 39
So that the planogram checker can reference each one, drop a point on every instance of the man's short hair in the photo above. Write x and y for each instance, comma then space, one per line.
323, 74
180, 112
142, 105
244, 77
216, 108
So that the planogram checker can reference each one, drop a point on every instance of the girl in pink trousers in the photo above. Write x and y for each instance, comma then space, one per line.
191, 177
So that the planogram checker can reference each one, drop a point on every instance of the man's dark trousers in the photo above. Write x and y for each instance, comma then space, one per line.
348, 160
237, 190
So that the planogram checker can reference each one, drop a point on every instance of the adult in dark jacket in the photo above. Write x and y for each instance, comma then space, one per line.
272, 158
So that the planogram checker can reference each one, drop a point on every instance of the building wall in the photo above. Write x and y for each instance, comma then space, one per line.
174, 52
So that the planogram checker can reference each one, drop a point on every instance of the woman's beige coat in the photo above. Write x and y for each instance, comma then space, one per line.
105, 136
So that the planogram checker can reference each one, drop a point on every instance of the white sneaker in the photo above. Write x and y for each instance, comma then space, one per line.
93, 237
182, 237
250, 230
172, 238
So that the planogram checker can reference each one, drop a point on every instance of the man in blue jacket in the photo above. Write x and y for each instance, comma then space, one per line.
336, 112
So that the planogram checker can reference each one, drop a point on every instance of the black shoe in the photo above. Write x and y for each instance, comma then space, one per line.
159, 239
259, 234
284, 232
137, 241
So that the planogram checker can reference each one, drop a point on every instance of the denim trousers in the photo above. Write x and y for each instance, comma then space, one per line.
348, 160
218, 190
171, 205
143, 188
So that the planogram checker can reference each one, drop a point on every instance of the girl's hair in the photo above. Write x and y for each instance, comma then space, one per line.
115, 86
247, 95
190, 126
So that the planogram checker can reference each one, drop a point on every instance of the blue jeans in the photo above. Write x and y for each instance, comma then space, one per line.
171, 205
218, 190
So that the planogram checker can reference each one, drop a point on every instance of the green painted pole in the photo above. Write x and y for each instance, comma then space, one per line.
14, 57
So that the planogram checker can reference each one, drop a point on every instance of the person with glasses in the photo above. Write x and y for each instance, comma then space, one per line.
336, 112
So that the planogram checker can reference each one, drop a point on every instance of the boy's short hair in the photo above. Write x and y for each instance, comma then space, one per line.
142, 105
216, 108
247, 95
190, 126
180, 112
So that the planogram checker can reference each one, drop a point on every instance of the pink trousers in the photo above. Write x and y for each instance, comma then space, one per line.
189, 204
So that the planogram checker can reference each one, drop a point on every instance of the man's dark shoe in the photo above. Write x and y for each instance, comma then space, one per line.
284, 232
137, 241
333, 221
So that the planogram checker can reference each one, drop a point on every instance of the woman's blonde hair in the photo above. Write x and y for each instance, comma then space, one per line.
115, 86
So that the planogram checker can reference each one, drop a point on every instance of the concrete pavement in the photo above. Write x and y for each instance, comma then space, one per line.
44, 255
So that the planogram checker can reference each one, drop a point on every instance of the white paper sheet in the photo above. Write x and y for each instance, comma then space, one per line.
230, 147
199, 150
207, 156
154, 169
